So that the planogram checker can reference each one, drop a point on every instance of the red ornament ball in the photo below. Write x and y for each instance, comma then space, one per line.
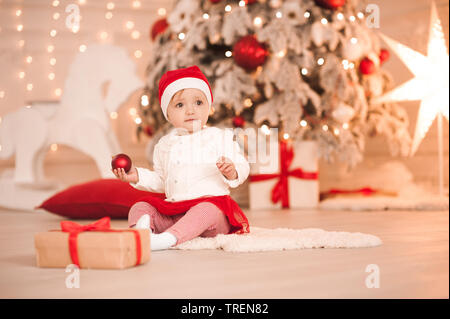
215, 1
330, 4
250, 1
121, 161
238, 121
366, 66
384, 55
148, 130
248, 53
158, 27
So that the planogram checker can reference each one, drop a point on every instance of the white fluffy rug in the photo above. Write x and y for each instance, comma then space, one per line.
264, 239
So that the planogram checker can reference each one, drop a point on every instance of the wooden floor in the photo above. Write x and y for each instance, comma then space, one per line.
413, 262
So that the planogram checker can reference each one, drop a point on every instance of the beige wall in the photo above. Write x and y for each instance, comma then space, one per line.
403, 20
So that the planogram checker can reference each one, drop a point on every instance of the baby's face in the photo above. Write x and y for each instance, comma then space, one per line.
188, 109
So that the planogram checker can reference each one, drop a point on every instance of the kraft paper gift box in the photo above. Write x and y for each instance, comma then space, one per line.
291, 185
95, 246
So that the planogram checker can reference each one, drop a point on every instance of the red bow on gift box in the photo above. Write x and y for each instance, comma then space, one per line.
103, 225
72, 227
281, 188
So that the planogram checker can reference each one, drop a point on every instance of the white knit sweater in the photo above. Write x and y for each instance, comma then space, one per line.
184, 166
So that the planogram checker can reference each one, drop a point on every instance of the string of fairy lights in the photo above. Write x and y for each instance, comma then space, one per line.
58, 14
130, 27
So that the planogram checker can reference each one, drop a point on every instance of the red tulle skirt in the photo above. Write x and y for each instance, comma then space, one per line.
236, 217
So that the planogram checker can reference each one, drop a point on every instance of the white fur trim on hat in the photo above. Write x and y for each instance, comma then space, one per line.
180, 84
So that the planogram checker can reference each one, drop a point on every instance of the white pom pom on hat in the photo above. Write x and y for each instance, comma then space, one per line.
187, 78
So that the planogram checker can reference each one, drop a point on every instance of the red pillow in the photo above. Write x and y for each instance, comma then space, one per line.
96, 199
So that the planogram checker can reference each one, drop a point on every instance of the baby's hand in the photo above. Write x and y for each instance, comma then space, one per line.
130, 177
226, 167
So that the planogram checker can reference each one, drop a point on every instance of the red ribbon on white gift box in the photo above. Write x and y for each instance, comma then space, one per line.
281, 189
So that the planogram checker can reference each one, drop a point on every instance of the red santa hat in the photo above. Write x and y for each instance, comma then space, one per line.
188, 78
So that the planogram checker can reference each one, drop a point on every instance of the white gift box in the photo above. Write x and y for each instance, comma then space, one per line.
302, 192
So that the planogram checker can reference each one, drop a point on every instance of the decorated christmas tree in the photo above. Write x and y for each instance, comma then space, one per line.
311, 68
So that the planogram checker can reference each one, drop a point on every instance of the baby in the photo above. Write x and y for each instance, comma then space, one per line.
194, 165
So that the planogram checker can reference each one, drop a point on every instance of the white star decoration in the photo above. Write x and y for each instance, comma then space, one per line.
431, 81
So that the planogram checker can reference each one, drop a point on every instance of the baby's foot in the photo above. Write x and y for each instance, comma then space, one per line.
162, 241
143, 222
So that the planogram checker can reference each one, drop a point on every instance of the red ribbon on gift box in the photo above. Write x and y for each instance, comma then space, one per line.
103, 225
366, 191
281, 188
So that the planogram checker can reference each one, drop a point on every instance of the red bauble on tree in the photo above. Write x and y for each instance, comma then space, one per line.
121, 161
148, 130
238, 121
248, 53
384, 55
250, 1
366, 66
330, 4
215, 1
158, 27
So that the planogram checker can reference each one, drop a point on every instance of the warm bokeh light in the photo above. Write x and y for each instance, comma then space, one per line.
129, 25
162, 11
135, 34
